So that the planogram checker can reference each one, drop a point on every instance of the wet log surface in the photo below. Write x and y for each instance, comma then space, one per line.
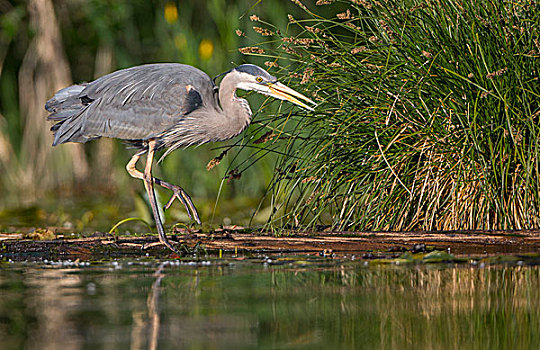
367, 245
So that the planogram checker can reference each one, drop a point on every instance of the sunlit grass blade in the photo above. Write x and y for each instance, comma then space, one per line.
113, 229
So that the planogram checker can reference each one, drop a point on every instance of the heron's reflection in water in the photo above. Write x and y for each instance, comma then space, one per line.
238, 304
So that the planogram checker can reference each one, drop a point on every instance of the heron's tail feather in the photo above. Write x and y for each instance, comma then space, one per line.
68, 130
66, 107
65, 99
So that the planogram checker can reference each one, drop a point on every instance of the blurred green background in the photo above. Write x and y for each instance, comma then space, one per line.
46, 45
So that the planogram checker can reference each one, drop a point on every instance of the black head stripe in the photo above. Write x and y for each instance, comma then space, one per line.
250, 69
256, 71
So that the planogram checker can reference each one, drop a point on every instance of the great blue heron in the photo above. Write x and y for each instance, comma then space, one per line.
161, 106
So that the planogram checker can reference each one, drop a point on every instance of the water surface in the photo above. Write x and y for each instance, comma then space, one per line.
280, 303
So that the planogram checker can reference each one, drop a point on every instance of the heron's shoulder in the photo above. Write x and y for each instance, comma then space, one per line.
149, 80
168, 68
159, 71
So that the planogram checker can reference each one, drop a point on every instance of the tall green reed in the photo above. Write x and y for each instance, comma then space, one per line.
427, 118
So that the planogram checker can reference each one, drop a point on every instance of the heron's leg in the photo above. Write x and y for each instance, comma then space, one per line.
149, 184
178, 192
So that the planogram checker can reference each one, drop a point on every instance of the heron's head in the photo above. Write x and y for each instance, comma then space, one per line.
251, 77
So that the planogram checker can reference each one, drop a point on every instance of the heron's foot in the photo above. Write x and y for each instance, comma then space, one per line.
181, 195
165, 241
160, 243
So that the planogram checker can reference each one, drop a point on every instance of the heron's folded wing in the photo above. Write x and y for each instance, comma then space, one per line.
144, 101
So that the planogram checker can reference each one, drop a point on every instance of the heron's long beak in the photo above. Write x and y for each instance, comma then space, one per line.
284, 92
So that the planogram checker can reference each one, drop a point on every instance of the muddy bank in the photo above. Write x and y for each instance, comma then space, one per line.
367, 245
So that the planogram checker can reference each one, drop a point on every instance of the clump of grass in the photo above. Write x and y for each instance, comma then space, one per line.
428, 116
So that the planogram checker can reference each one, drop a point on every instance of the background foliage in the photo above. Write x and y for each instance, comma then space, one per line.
46, 45
428, 115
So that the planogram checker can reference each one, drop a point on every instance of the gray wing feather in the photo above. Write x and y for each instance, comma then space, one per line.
143, 101
133, 104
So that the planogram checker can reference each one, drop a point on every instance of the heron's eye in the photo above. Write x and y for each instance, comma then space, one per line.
259, 79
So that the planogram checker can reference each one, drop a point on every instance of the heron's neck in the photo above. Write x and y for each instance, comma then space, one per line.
236, 110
